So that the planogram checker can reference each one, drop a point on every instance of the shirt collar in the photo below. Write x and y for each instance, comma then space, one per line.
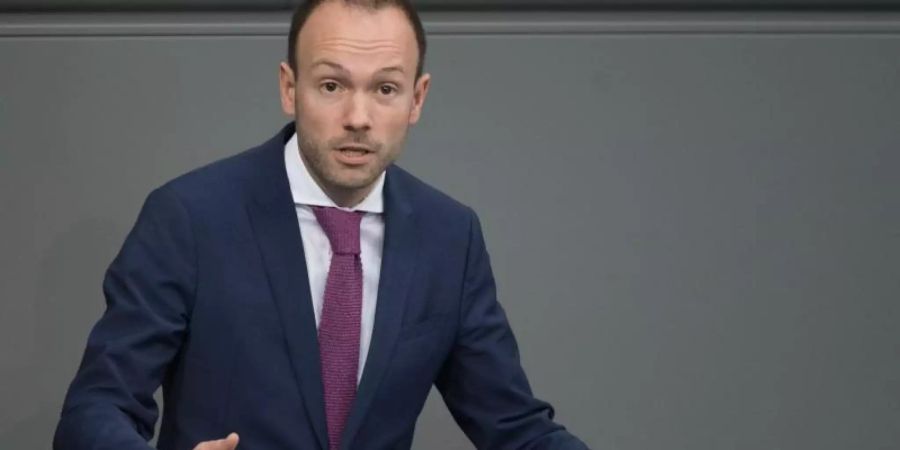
306, 191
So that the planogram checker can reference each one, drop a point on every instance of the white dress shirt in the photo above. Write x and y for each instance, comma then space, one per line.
317, 248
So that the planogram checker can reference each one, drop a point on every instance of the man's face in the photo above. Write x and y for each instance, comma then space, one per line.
354, 95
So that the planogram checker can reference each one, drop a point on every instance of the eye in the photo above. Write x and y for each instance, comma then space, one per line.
330, 86
387, 89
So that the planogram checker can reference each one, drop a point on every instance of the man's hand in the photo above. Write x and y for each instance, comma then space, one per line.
229, 443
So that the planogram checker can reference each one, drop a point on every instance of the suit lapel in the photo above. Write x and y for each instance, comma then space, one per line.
398, 261
274, 222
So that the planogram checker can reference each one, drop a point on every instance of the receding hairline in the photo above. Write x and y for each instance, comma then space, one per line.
306, 9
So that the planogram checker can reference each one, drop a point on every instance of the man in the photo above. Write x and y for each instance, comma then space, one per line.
307, 293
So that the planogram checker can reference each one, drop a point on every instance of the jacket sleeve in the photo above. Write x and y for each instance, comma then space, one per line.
148, 287
482, 381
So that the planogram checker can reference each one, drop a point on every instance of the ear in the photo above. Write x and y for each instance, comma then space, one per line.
421, 91
287, 85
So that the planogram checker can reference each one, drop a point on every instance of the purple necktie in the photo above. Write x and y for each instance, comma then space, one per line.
340, 322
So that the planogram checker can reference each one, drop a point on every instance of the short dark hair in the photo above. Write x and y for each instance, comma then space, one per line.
305, 8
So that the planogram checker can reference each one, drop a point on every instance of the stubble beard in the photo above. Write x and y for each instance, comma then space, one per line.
315, 154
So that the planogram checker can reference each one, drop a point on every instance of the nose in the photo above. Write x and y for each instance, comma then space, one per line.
356, 116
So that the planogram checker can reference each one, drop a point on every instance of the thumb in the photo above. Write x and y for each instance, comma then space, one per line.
231, 442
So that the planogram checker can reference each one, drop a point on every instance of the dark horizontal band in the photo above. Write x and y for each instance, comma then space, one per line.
456, 5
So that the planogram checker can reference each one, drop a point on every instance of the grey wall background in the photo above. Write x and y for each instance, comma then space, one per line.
694, 217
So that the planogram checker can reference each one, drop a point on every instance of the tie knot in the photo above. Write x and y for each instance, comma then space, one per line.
341, 227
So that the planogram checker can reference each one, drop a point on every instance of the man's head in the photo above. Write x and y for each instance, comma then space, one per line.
354, 84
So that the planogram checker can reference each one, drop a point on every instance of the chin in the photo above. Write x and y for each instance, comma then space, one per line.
352, 183
356, 179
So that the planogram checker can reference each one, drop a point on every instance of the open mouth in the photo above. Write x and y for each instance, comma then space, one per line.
354, 151
354, 155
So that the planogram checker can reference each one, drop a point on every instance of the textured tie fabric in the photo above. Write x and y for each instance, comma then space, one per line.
339, 326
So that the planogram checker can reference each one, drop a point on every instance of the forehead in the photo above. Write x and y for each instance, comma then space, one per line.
337, 30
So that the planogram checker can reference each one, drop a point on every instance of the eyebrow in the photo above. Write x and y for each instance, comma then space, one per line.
340, 68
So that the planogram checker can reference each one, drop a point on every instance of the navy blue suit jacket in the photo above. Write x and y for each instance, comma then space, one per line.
209, 297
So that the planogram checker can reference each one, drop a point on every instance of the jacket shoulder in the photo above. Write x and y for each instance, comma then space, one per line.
425, 196
228, 171
444, 216
223, 180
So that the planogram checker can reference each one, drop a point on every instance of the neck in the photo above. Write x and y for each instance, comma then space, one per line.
344, 197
